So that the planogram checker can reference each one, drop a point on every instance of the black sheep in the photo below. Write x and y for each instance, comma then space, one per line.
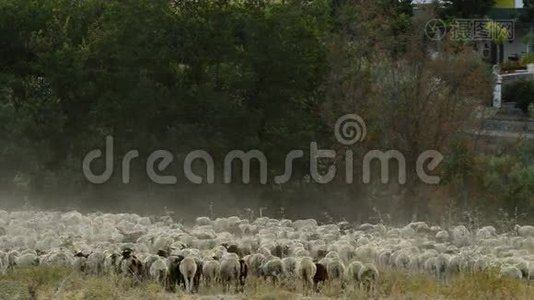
321, 275
175, 276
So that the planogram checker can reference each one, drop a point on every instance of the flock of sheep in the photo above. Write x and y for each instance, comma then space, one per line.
227, 252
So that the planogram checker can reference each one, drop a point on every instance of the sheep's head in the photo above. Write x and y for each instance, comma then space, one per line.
162, 253
126, 253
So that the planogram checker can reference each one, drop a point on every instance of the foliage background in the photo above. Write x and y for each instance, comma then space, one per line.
252, 74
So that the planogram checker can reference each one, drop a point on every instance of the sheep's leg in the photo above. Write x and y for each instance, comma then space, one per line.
186, 279
196, 283
171, 286
311, 285
241, 282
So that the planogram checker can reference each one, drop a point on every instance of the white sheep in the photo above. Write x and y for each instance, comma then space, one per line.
525, 231
159, 270
352, 272
230, 256
511, 272
401, 260
95, 263
306, 270
336, 271
203, 221
485, 232
368, 276
272, 268
188, 269
419, 227
289, 265
460, 236
481, 264
519, 263
366, 253
27, 259
530, 271
58, 258
366, 227
161, 243
307, 223
441, 265
332, 255
254, 263
442, 236
383, 258
210, 271
230, 272
71, 218
112, 263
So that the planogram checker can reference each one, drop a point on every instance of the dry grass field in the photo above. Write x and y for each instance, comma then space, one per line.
64, 283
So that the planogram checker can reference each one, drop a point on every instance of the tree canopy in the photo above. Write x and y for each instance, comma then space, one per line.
228, 75
465, 9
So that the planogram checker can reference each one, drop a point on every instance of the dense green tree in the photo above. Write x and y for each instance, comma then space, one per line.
465, 9
528, 11
215, 75
224, 75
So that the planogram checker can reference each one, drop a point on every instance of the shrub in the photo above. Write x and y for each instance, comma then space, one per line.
507, 182
522, 92
527, 59
511, 66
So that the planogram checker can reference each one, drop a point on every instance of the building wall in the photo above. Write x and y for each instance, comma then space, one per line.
504, 3
508, 4
516, 46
